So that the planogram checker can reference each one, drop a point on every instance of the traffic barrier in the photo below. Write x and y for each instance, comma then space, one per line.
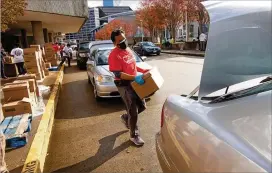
37, 153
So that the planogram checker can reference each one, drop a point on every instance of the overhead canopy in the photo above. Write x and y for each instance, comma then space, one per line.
239, 44
60, 23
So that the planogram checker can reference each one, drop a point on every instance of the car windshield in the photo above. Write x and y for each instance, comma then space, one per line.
103, 55
104, 45
148, 44
84, 46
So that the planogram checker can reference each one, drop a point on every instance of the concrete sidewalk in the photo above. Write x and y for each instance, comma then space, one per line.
185, 52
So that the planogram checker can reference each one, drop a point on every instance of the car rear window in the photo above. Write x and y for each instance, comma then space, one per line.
84, 46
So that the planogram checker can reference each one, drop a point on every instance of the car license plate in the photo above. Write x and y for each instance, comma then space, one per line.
154, 51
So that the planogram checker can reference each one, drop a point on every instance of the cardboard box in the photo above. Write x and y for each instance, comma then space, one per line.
29, 50
34, 62
30, 76
30, 57
46, 72
48, 65
153, 82
54, 62
39, 76
37, 47
31, 83
11, 70
16, 92
8, 59
22, 106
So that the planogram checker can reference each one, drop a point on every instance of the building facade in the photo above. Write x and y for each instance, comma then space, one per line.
97, 19
85, 32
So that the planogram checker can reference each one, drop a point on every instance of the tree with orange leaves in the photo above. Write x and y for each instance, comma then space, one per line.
104, 34
150, 16
197, 12
171, 13
10, 11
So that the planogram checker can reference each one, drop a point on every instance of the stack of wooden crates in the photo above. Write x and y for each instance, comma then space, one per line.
34, 62
50, 55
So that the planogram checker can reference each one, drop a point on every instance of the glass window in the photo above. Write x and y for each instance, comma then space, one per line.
84, 46
102, 56
148, 44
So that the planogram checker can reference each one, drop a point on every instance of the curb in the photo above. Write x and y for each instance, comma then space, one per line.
184, 53
37, 153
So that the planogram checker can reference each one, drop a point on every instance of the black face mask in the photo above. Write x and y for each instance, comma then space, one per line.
123, 44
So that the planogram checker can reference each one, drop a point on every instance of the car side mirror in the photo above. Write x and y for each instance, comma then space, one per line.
90, 62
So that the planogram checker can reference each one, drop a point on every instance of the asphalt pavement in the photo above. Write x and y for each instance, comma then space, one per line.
88, 136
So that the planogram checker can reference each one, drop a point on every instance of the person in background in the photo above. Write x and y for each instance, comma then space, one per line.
171, 42
67, 54
202, 39
61, 46
123, 64
18, 55
2, 59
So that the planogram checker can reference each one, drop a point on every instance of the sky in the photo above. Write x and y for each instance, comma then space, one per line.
134, 4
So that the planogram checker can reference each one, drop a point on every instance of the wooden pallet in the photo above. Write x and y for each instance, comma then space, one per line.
16, 129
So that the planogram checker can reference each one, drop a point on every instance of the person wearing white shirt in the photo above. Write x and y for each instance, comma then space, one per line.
18, 55
66, 54
202, 39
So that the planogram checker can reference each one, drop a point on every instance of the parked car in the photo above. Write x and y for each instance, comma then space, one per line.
224, 125
146, 48
83, 53
100, 76
74, 52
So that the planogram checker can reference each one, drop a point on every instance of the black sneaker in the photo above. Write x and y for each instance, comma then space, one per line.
124, 119
137, 140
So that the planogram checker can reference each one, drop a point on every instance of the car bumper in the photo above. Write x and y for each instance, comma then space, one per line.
107, 90
163, 158
153, 52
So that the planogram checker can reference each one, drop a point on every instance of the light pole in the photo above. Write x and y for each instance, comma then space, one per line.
142, 30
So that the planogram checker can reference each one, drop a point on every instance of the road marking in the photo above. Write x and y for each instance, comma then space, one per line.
37, 153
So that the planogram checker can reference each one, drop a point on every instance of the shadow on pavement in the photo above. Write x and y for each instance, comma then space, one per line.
77, 101
17, 170
104, 153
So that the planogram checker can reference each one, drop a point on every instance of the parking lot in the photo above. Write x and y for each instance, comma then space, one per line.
89, 136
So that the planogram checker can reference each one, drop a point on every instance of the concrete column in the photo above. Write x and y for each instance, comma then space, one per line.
50, 36
37, 32
24, 38
45, 35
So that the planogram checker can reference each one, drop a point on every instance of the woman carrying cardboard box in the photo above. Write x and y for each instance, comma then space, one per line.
123, 64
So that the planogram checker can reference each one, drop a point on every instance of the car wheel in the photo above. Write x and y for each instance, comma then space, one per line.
143, 53
158, 53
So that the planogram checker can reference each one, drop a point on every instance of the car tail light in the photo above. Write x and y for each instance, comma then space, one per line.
162, 116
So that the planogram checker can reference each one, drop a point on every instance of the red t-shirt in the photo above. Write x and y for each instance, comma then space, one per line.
123, 61
55, 47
